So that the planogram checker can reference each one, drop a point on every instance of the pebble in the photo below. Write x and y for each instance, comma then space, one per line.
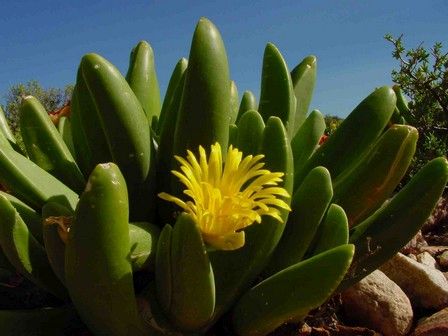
427, 259
443, 259
376, 302
435, 325
425, 286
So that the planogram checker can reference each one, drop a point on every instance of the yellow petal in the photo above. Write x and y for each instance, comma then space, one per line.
225, 198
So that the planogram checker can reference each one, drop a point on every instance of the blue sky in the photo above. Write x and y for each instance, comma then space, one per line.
44, 40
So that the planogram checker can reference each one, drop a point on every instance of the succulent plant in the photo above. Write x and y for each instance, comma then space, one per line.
164, 218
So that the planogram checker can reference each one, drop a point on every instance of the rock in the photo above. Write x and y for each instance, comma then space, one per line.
415, 245
427, 259
443, 260
439, 213
434, 250
376, 302
435, 325
425, 286
305, 330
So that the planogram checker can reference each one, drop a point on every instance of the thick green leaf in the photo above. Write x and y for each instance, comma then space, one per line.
6, 131
303, 78
291, 293
89, 140
30, 216
380, 236
171, 96
164, 280
248, 102
333, 231
24, 252
65, 128
309, 205
364, 188
31, 183
354, 136
121, 116
250, 132
306, 141
97, 262
143, 237
142, 79
193, 286
276, 94
126, 130
53, 217
45, 145
234, 102
206, 96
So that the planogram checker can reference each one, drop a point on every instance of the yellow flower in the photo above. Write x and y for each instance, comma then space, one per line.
226, 198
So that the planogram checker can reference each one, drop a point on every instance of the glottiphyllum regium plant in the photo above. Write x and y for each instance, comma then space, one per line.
223, 210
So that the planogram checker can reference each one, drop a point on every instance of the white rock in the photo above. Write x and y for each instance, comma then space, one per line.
376, 302
427, 259
425, 286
